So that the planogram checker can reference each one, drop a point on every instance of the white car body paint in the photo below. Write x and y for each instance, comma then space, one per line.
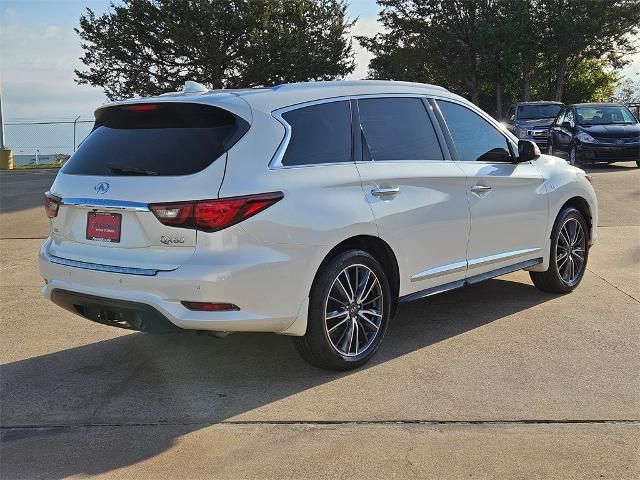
440, 230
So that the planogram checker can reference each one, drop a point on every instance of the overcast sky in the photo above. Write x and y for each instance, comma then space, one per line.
39, 51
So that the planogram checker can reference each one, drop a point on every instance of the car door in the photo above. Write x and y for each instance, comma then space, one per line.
555, 127
565, 130
508, 200
417, 194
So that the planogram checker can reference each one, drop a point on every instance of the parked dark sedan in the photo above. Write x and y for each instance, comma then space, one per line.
596, 132
531, 120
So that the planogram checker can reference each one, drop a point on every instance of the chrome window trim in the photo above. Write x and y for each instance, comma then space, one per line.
511, 139
147, 272
105, 204
276, 161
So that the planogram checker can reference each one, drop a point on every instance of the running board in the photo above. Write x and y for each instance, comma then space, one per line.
469, 281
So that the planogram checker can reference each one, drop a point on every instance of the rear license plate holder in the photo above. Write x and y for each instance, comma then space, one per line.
104, 226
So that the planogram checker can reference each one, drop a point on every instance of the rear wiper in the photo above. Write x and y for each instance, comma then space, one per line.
121, 170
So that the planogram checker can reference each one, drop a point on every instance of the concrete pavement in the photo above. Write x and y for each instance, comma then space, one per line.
497, 380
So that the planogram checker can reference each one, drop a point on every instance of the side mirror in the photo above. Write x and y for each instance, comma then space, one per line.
527, 150
566, 124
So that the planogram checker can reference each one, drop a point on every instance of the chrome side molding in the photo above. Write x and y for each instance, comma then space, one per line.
463, 265
469, 281
501, 257
440, 271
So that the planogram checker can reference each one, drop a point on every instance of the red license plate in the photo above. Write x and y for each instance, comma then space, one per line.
104, 226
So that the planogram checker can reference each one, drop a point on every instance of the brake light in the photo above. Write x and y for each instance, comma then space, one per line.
51, 204
213, 215
142, 107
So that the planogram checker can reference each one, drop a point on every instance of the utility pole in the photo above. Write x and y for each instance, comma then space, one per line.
6, 157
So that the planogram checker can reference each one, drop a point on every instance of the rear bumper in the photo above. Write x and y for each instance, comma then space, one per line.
608, 153
116, 313
270, 292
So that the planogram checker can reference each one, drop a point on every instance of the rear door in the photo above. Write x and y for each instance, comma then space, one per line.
508, 200
138, 154
417, 194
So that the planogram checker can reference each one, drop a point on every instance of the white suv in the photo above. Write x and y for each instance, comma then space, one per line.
307, 210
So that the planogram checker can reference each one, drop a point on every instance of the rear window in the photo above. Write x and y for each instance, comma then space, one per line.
319, 134
164, 139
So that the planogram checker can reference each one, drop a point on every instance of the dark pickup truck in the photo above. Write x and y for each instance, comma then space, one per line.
531, 120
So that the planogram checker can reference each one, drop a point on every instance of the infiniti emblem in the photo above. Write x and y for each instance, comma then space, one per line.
102, 187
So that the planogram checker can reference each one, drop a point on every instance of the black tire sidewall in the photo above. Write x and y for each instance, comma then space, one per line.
316, 332
553, 264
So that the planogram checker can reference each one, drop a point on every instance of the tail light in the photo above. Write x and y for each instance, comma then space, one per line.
213, 215
51, 204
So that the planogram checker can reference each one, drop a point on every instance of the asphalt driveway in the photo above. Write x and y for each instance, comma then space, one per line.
494, 380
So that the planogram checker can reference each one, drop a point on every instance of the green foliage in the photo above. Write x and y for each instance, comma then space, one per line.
499, 51
147, 47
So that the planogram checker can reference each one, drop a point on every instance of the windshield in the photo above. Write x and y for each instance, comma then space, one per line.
609, 115
530, 112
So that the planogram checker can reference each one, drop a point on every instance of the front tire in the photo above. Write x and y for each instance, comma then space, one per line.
569, 254
573, 156
349, 310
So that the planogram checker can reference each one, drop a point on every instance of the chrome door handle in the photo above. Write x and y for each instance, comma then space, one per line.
381, 192
480, 189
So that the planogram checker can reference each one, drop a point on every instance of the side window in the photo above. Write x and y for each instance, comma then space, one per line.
569, 117
475, 138
397, 129
560, 118
319, 134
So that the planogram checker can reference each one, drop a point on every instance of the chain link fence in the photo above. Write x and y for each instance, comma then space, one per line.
45, 142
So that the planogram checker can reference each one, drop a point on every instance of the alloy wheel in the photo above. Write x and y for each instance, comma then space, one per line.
571, 251
354, 310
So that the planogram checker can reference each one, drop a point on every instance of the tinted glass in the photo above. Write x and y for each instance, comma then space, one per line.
156, 139
474, 137
605, 115
397, 129
319, 134
532, 112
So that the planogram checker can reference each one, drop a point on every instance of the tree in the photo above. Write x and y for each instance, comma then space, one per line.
495, 51
147, 47
594, 29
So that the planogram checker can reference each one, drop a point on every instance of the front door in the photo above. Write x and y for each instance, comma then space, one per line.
508, 201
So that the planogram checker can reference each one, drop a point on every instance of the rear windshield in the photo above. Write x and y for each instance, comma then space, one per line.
156, 139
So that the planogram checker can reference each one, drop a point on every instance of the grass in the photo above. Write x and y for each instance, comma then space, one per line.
37, 167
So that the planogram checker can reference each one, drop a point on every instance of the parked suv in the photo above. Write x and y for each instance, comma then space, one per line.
308, 210
531, 120
596, 132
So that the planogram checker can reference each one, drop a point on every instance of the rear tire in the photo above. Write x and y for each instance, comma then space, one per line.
569, 254
349, 311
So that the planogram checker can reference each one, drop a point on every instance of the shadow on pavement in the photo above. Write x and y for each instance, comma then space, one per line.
192, 381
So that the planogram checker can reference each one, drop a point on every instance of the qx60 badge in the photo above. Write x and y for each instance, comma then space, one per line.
101, 188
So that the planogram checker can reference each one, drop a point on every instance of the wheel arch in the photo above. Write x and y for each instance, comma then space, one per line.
379, 249
582, 205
